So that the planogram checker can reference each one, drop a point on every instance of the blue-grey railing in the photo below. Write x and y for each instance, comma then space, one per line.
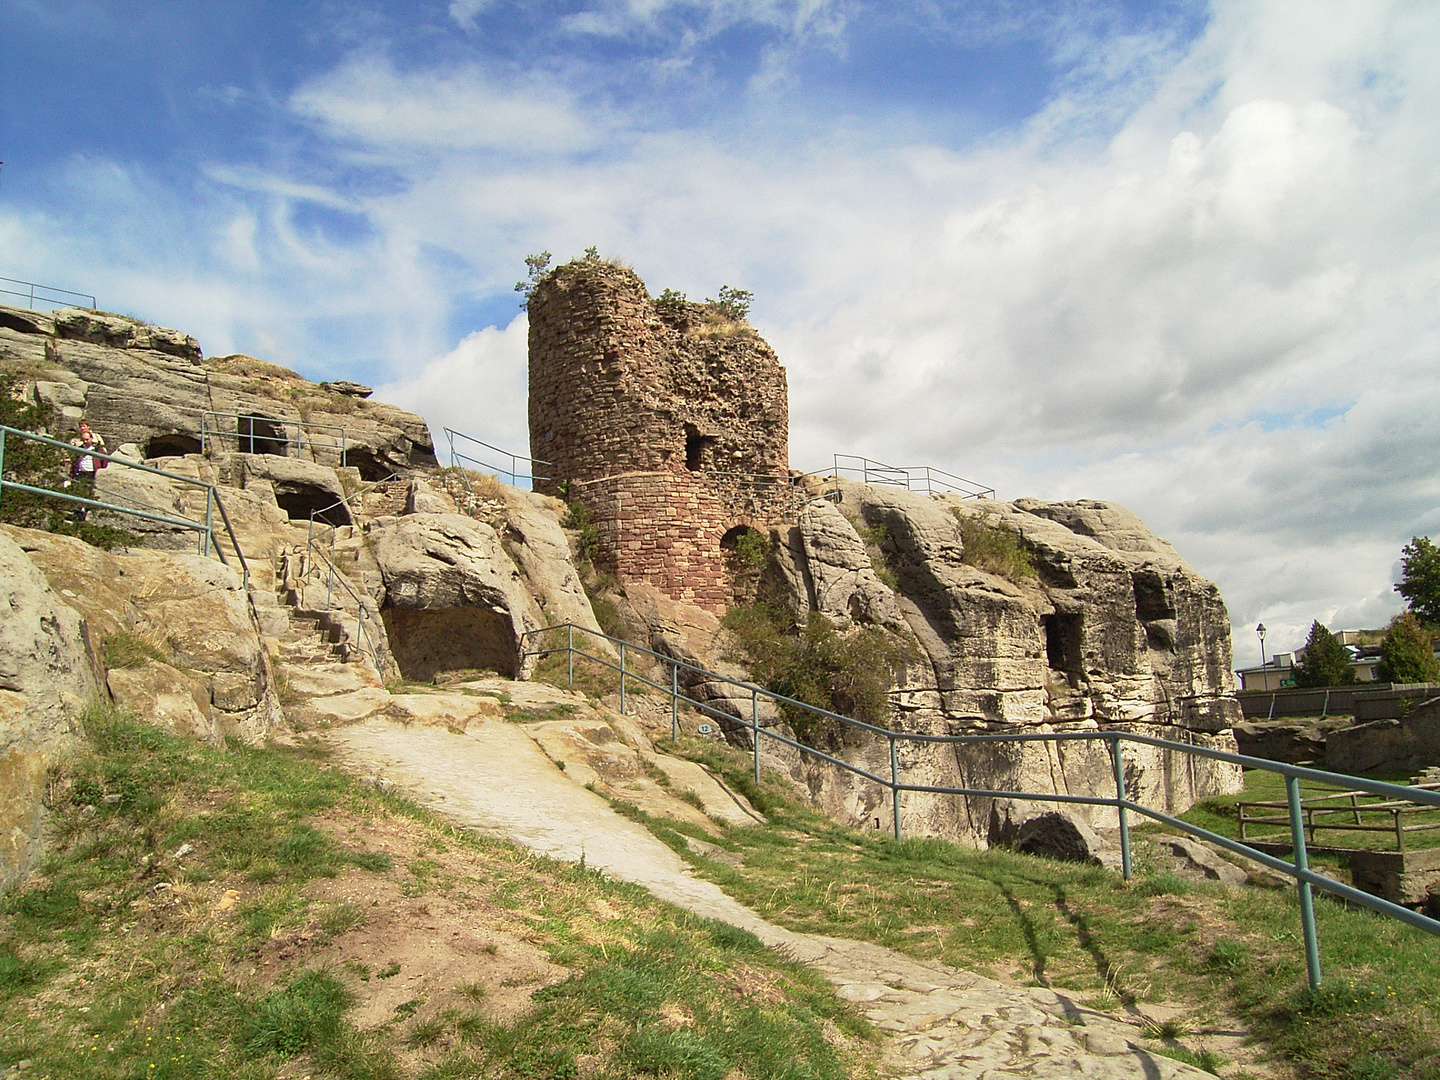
460, 460
1305, 878
921, 478
302, 440
205, 529
314, 550
34, 292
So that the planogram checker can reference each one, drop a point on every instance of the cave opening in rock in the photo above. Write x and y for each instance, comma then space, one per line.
364, 459
697, 448
1063, 642
1151, 602
173, 445
300, 500
262, 435
425, 642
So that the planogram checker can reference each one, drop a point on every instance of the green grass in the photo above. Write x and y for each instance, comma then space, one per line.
114, 966
1228, 955
1220, 815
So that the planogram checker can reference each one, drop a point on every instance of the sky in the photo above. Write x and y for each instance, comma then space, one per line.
1180, 256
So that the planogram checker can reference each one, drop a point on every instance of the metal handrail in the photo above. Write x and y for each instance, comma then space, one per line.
362, 634
44, 288
920, 478
1299, 870
515, 475
206, 528
299, 442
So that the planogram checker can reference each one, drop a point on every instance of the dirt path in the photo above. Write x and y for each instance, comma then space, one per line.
947, 1024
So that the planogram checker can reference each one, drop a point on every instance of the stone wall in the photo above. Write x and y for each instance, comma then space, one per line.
620, 383
665, 528
640, 409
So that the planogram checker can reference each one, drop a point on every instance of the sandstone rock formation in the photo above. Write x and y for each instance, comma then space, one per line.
149, 386
1112, 631
47, 673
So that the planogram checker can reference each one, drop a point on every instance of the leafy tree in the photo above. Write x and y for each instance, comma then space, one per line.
1420, 578
1326, 662
1406, 653
733, 303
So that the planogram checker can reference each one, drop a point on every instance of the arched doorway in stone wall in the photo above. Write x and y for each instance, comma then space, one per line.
746, 550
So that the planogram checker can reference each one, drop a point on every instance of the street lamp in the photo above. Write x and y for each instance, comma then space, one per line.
1260, 631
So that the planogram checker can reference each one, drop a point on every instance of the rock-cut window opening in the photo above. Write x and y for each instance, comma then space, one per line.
172, 445
697, 448
1063, 639
262, 435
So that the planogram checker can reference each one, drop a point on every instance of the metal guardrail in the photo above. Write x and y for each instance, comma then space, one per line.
1305, 878
921, 478
210, 432
456, 458
31, 295
313, 550
205, 528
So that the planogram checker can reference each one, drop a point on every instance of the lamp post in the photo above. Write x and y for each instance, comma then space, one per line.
1260, 632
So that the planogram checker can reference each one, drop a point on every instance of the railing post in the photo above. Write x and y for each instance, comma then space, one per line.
895, 785
755, 729
1118, 763
622, 678
570, 654
674, 701
1302, 863
2, 466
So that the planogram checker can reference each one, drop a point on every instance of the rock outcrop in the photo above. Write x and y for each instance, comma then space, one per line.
47, 673
150, 386
1106, 629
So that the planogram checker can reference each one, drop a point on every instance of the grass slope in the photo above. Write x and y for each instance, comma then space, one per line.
1227, 955
193, 911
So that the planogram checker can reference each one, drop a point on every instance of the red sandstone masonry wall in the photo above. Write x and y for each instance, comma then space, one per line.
663, 528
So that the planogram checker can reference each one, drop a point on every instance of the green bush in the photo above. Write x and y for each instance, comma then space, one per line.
577, 517
1406, 653
1326, 662
994, 547
849, 674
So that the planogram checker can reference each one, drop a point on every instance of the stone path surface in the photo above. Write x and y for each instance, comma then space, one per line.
947, 1024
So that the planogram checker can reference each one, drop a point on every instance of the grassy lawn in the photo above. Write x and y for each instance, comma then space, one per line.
1220, 815
1228, 956
206, 913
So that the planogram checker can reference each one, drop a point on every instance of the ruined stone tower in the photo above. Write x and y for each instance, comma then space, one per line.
669, 421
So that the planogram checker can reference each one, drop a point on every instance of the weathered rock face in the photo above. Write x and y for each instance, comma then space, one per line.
1114, 631
150, 386
1407, 745
215, 679
47, 674
454, 599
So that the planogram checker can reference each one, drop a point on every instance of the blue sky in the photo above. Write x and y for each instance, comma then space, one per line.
1181, 256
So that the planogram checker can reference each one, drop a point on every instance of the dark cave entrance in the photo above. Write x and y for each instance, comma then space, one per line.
426, 641
262, 435
364, 459
299, 501
172, 445
1063, 642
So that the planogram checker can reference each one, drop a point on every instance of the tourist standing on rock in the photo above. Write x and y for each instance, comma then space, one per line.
83, 468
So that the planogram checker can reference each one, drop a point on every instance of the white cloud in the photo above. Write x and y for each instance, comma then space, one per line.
366, 99
1222, 313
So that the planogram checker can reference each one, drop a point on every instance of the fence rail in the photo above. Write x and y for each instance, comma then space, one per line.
1305, 878
31, 295
457, 458
261, 434
921, 478
205, 529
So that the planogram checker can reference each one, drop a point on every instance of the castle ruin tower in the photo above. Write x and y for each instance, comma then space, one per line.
668, 420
